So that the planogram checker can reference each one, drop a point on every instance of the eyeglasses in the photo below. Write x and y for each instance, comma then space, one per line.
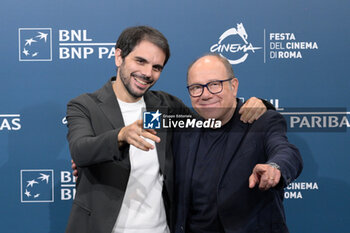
213, 87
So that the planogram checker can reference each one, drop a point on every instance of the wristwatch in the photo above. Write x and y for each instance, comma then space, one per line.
275, 165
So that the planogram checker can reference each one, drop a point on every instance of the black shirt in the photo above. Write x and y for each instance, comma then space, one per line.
203, 216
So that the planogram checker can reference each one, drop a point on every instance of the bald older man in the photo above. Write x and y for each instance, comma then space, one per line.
230, 179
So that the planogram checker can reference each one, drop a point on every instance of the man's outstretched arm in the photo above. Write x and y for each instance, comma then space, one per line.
284, 163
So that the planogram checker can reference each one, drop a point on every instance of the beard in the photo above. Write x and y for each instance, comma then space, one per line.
126, 80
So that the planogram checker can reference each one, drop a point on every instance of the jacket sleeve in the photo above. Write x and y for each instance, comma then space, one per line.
85, 146
268, 105
279, 150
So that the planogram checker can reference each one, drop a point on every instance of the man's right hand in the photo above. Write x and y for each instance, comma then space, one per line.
135, 135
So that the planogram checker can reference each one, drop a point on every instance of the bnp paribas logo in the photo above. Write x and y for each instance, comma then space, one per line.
37, 185
35, 44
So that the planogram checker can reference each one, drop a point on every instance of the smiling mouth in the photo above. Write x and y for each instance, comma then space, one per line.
208, 104
141, 80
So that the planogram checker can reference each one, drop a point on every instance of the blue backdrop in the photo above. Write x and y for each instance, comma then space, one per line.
292, 53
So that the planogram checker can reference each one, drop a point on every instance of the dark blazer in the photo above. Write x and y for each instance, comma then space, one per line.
241, 209
94, 121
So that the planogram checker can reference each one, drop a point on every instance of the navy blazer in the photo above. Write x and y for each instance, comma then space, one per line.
240, 208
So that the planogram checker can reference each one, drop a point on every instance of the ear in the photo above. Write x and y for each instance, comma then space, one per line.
118, 57
235, 83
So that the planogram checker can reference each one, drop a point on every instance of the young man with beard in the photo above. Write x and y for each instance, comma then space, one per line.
125, 181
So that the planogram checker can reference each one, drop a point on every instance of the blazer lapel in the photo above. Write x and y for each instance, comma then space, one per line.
109, 105
191, 143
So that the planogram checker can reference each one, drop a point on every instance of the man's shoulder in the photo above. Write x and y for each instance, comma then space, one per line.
164, 98
268, 119
162, 95
84, 99
271, 114
80, 97
89, 97
173, 104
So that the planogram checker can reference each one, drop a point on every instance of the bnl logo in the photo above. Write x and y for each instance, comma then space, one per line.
37, 185
35, 44
151, 120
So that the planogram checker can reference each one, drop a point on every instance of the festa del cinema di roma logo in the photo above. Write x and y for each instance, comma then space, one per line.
237, 51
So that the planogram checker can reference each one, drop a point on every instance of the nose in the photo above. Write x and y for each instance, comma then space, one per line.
206, 93
147, 70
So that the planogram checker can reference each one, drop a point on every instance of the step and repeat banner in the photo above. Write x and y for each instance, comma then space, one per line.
295, 54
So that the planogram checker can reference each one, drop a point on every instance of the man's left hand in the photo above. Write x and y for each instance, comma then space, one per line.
74, 168
265, 175
252, 109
